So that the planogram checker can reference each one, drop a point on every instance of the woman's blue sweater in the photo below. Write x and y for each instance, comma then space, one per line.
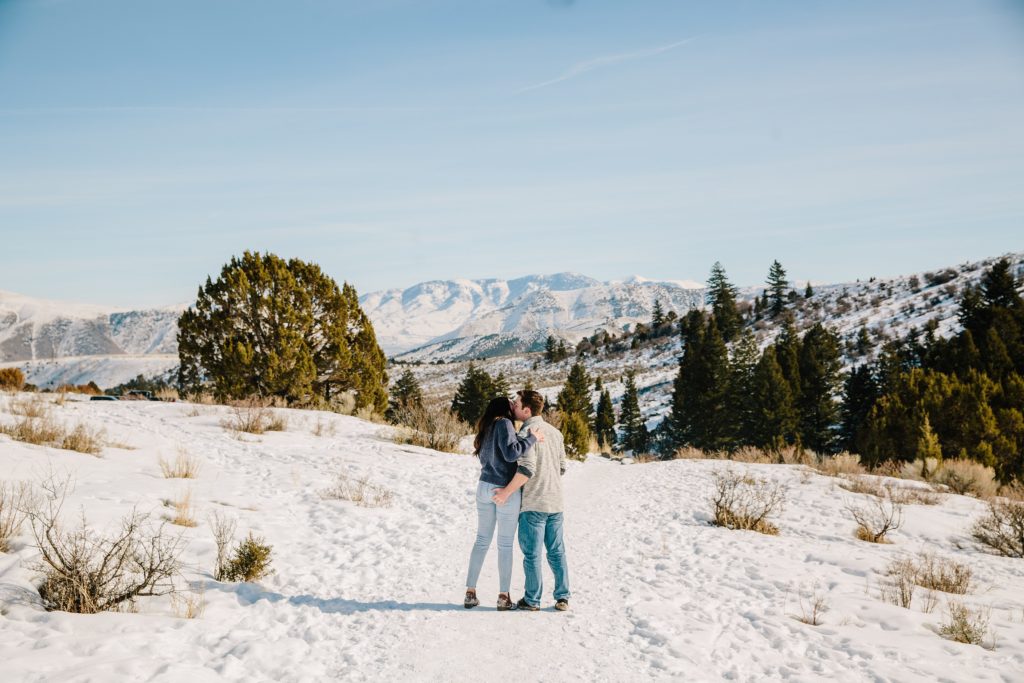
500, 450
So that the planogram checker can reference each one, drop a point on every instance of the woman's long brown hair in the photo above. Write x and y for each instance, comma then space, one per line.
498, 408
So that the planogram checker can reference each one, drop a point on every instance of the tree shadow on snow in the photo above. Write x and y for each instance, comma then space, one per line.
249, 593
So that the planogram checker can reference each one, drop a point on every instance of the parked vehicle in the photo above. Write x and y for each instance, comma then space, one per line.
103, 398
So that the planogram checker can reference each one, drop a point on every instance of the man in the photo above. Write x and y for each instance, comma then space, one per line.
540, 517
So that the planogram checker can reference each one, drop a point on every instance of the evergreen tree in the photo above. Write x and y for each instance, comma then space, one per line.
500, 386
562, 351
820, 365
658, 316
787, 354
773, 419
405, 395
777, 284
604, 421
745, 357
860, 391
721, 298
575, 435
700, 398
473, 394
270, 327
633, 434
575, 394
808, 291
863, 344
998, 287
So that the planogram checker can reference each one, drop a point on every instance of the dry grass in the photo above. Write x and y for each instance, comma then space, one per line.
39, 431
864, 484
745, 502
189, 605
254, 416
359, 491
841, 464
184, 512
17, 501
83, 439
966, 625
689, 453
324, 428
438, 429
967, 477
913, 495
644, 458
223, 529
166, 394
32, 406
876, 518
905, 575
184, 466
751, 455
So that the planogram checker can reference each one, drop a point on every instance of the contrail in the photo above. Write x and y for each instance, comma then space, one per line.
598, 62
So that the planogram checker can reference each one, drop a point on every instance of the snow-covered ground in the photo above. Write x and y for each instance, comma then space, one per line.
375, 593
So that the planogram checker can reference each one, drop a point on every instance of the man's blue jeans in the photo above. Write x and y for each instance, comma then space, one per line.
535, 527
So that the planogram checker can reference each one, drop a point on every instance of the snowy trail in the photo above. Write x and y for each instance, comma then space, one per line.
375, 593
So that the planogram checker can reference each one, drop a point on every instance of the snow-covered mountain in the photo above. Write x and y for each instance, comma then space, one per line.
58, 342
460, 319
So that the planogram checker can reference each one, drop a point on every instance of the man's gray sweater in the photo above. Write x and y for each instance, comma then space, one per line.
544, 464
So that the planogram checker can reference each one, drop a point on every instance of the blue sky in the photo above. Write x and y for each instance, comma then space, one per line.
144, 143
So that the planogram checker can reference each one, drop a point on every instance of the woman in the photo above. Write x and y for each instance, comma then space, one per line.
498, 447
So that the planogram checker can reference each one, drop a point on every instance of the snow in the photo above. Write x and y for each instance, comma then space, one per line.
375, 593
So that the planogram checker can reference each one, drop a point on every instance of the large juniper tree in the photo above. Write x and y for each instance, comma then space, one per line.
574, 403
270, 327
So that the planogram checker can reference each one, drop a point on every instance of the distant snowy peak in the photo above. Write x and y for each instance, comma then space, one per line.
32, 329
463, 318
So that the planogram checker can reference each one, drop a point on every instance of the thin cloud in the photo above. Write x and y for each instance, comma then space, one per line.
600, 62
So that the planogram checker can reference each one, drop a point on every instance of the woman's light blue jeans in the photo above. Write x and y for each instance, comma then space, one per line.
506, 518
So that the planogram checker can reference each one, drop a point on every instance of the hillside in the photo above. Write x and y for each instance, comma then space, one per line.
374, 593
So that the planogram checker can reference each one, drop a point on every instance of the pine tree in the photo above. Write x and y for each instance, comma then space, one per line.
575, 394
808, 291
500, 386
777, 284
773, 419
860, 391
406, 394
473, 394
998, 287
550, 349
700, 412
575, 435
632, 428
270, 327
658, 316
745, 356
721, 298
604, 421
787, 354
820, 365
927, 442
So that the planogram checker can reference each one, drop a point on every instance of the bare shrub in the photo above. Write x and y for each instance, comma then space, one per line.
840, 464
644, 458
965, 625
202, 398
919, 470
184, 466
438, 429
359, 491
193, 411
943, 574
184, 512
87, 573
370, 415
899, 586
813, 603
223, 535
277, 422
251, 416
39, 431
250, 561
876, 519
83, 439
11, 379
17, 500
746, 502
967, 477
1001, 529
